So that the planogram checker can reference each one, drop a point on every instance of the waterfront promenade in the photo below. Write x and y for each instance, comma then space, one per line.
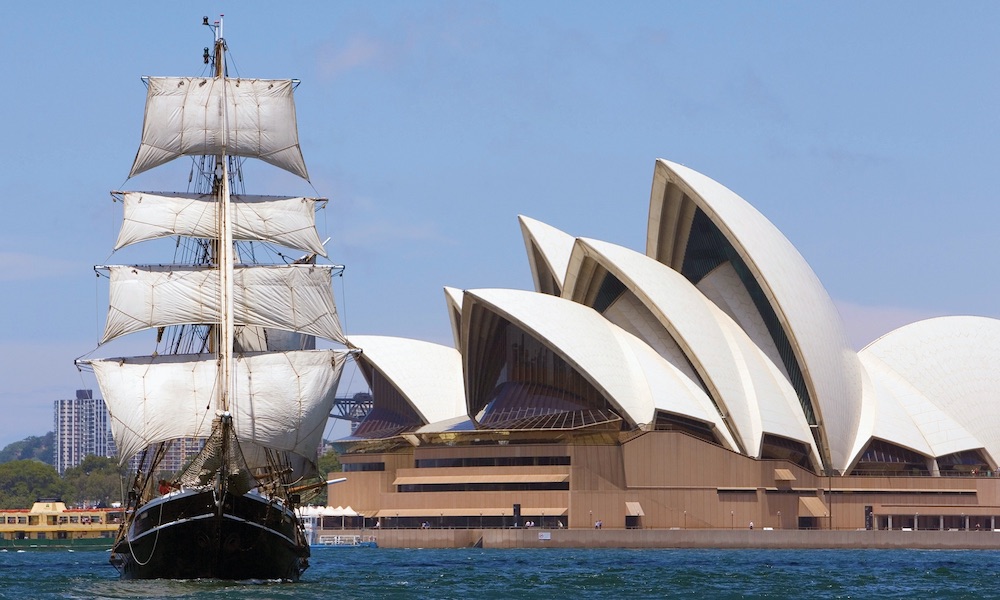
679, 538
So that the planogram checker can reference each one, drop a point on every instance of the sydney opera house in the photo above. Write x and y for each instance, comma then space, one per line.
705, 383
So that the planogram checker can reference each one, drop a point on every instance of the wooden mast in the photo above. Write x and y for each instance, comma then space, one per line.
225, 249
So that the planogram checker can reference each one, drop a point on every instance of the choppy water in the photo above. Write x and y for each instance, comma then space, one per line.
547, 573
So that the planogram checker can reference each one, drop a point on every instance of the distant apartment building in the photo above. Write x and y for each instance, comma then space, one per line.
81, 428
176, 456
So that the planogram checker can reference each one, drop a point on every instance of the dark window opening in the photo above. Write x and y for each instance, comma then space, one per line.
365, 466
486, 487
523, 384
883, 458
781, 448
493, 461
967, 462
611, 289
390, 415
699, 429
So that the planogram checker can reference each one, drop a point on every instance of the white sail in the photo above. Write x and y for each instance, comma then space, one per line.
289, 297
192, 116
282, 399
288, 221
261, 339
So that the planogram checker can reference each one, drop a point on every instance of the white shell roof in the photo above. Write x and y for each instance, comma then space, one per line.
811, 322
932, 386
943, 374
453, 298
626, 371
883, 416
463, 423
427, 375
724, 289
553, 245
779, 412
746, 384
672, 390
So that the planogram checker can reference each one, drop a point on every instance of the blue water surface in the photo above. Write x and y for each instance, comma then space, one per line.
549, 574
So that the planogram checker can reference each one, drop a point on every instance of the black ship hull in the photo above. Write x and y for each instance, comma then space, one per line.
187, 535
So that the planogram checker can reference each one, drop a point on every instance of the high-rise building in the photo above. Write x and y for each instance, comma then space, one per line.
81, 428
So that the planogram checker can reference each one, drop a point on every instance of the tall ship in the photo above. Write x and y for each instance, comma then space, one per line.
235, 317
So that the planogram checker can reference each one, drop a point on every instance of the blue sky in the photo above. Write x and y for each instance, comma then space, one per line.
867, 132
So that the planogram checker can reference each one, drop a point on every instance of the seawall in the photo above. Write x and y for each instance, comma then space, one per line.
677, 538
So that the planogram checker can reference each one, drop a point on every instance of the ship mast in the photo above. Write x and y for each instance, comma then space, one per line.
225, 250
197, 391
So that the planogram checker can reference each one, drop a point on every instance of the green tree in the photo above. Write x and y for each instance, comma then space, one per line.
22, 482
329, 463
40, 448
95, 481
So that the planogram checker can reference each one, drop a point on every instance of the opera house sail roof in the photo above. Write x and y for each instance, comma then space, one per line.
720, 328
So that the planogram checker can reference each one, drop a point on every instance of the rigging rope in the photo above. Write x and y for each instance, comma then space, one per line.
156, 540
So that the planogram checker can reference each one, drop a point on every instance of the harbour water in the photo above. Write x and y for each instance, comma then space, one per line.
542, 573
